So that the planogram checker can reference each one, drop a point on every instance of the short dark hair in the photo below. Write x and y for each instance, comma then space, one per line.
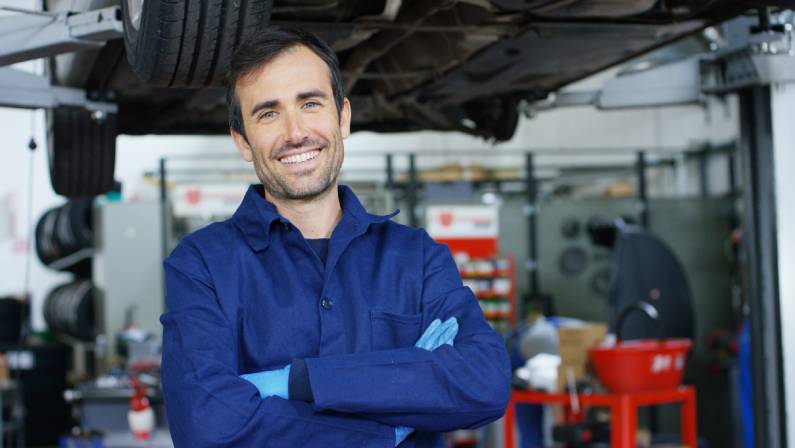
262, 48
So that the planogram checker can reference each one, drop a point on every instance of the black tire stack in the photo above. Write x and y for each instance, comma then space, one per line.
63, 232
64, 236
70, 309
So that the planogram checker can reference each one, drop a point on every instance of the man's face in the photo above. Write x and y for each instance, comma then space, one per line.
293, 131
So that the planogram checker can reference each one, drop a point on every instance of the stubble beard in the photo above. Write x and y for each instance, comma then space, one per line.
279, 188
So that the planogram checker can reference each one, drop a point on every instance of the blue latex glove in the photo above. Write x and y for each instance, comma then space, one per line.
271, 382
436, 335
401, 432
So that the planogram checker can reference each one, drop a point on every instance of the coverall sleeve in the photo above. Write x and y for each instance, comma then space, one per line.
462, 386
209, 405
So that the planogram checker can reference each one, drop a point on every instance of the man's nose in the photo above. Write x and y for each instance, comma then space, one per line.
296, 130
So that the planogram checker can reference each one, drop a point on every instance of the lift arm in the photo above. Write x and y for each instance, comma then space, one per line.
28, 91
31, 35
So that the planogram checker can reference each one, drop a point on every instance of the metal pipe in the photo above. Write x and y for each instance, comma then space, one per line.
532, 224
163, 218
703, 174
411, 193
390, 172
732, 167
642, 197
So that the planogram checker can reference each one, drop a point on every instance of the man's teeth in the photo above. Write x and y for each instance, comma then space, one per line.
298, 158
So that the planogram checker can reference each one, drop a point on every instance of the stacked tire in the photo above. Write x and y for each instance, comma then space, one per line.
70, 309
63, 232
64, 239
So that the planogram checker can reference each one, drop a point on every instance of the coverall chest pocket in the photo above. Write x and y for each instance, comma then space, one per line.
391, 330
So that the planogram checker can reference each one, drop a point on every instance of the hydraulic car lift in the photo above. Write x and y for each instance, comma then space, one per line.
759, 66
26, 35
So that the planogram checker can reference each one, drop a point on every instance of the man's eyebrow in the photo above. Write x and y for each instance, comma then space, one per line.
270, 104
267, 104
311, 94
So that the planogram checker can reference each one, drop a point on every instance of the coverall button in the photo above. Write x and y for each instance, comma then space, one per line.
326, 303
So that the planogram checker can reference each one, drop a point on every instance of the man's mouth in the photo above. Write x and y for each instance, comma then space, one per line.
299, 158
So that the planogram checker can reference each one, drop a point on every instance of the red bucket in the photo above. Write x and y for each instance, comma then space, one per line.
646, 364
641, 365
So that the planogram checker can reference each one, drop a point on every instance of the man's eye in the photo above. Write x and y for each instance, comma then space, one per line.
311, 104
266, 115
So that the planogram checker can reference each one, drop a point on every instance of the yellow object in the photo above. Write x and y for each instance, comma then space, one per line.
4, 373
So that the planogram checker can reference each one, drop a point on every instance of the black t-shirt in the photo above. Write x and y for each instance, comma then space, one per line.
320, 246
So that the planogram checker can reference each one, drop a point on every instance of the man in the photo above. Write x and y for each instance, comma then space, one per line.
303, 320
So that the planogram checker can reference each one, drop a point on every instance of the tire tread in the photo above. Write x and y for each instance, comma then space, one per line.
82, 152
188, 43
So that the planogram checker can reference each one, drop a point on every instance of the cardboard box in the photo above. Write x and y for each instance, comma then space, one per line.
573, 344
4, 373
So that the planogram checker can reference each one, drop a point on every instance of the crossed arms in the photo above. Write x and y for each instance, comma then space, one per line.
359, 398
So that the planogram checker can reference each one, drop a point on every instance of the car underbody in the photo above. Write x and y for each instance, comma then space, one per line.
462, 65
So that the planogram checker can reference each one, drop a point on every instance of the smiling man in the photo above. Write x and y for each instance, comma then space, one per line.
303, 320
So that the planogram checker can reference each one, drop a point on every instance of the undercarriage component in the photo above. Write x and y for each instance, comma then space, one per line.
578, 8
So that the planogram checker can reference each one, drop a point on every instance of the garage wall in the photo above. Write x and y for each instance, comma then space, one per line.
783, 109
581, 128
571, 128
15, 127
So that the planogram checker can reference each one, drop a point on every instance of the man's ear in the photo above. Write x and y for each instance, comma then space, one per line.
242, 145
345, 118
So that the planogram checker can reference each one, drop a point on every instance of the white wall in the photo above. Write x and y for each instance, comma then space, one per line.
581, 128
783, 109
16, 234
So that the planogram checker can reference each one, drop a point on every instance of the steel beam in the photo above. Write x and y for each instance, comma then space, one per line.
643, 200
31, 35
531, 187
783, 109
760, 244
26, 90
411, 192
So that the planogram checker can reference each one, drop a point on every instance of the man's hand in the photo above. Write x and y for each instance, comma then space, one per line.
436, 335
270, 382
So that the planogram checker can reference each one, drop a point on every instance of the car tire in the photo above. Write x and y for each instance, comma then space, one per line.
188, 43
70, 309
81, 148
62, 232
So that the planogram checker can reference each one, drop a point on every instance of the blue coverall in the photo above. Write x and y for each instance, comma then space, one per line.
249, 294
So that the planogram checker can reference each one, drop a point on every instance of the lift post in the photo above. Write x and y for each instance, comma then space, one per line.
759, 66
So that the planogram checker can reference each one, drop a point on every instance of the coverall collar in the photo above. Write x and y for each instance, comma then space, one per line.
255, 216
